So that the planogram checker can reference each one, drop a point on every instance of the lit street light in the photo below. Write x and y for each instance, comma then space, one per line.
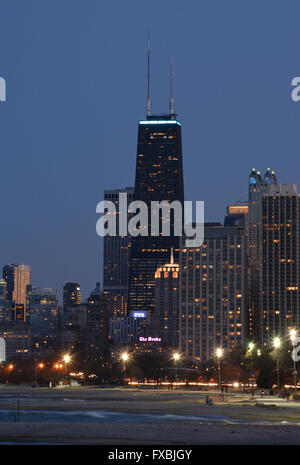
219, 353
293, 335
176, 358
251, 347
276, 344
125, 358
67, 360
40, 366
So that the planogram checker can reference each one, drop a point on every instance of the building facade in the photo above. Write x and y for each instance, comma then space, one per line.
42, 304
166, 314
97, 331
159, 177
258, 186
281, 262
17, 278
71, 294
213, 294
116, 259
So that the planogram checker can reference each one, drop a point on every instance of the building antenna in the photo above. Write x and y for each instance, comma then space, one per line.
148, 79
172, 111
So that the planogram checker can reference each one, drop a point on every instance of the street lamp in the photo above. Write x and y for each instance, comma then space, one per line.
293, 335
176, 358
40, 365
125, 358
67, 360
276, 344
219, 353
251, 347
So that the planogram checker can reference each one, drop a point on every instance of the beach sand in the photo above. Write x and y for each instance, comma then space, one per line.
222, 426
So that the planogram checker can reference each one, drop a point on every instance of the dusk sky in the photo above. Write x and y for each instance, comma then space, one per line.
76, 89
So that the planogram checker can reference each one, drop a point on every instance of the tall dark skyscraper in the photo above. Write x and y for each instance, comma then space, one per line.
116, 260
158, 177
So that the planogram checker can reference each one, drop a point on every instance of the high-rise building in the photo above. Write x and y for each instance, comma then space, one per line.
18, 341
213, 293
158, 177
116, 260
281, 262
73, 332
3, 301
258, 186
71, 294
17, 278
164, 323
42, 307
97, 331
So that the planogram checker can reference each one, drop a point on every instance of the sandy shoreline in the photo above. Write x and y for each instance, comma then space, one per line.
176, 432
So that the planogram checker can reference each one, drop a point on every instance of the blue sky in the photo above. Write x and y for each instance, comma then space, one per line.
76, 88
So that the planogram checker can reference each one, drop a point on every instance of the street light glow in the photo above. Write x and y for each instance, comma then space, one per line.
67, 358
125, 357
219, 352
176, 356
251, 346
293, 334
276, 342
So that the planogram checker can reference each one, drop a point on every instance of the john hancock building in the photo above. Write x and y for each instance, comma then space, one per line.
158, 177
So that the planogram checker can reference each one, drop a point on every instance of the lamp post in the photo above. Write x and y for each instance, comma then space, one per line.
67, 360
293, 334
219, 353
276, 344
125, 358
176, 358
40, 365
251, 347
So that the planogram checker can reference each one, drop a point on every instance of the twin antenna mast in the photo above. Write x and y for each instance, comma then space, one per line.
171, 105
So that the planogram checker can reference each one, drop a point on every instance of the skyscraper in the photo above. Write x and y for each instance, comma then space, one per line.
97, 330
281, 260
158, 177
166, 313
258, 187
43, 310
116, 260
17, 278
3, 300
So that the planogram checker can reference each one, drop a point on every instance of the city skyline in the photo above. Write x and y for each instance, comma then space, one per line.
76, 169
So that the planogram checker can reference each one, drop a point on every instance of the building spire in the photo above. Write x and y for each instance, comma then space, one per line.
172, 112
148, 78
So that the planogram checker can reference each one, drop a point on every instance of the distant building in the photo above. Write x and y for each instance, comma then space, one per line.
4, 315
237, 214
258, 186
213, 293
17, 278
97, 331
281, 262
17, 340
164, 322
73, 332
116, 260
128, 329
71, 294
43, 317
